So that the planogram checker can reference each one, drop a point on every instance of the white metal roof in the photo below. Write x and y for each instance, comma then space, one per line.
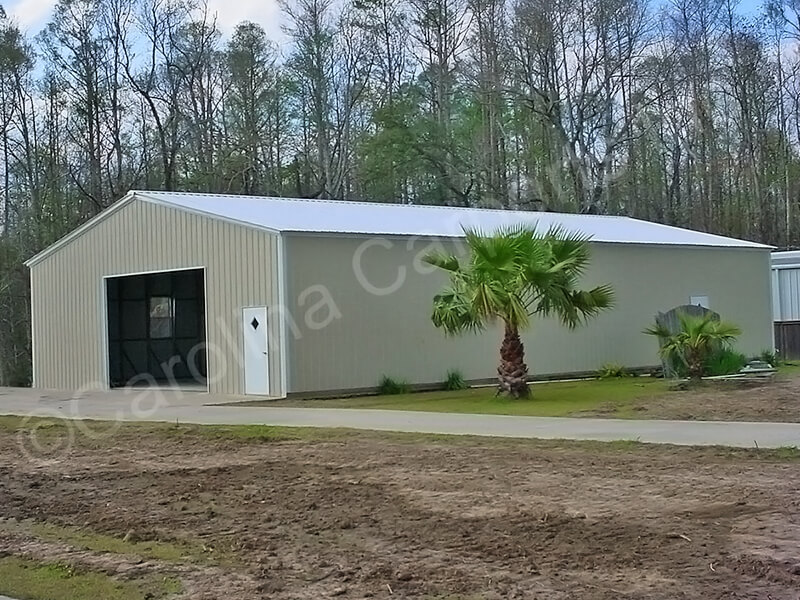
790, 258
292, 215
372, 218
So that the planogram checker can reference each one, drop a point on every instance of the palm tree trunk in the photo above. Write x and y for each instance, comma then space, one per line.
695, 364
512, 374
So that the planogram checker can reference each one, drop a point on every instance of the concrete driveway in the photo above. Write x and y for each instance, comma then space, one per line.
200, 408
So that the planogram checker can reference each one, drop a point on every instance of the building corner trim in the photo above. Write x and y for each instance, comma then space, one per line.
283, 301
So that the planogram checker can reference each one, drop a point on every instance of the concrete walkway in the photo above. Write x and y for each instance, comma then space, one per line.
192, 407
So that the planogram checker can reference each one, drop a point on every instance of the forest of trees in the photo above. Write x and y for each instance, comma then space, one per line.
685, 112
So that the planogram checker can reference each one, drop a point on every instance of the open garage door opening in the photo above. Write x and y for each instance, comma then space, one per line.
157, 329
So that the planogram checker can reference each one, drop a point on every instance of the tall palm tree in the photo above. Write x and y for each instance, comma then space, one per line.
510, 277
695, 341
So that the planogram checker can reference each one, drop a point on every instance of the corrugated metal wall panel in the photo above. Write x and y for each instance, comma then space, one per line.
786, 294
68, 287
391, 334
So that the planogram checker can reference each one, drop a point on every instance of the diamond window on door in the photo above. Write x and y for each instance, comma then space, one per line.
255, 323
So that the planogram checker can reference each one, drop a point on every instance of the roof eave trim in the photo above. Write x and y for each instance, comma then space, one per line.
745, 244
738, 245
78, 232
144, 196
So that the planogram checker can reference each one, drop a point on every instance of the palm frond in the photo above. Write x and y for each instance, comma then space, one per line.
453, 314
446, 262
571, 255
658, 330
514, 274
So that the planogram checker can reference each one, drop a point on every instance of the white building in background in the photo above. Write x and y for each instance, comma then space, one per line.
786, 286
786, 302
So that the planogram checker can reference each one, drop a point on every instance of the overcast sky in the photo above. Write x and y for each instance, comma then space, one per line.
32, 15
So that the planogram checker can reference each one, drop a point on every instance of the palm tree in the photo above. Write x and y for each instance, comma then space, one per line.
695, 341
510, 277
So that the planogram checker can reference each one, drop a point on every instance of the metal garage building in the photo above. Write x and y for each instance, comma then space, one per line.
271, 296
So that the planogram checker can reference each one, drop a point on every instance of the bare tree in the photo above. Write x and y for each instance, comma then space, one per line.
332, 63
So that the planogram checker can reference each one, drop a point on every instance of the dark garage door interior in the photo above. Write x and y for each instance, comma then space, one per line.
156, 329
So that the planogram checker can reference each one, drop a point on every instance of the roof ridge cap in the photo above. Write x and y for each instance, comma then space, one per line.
377, 204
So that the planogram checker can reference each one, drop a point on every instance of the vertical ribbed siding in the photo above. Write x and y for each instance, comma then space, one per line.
68, 303
786, 294
392, 334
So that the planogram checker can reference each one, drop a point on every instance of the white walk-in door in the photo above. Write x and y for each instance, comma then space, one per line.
256, 351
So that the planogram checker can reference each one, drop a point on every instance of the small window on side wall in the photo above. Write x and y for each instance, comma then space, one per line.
162, 317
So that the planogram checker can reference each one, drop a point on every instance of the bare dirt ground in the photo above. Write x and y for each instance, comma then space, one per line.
362, 515
775, 400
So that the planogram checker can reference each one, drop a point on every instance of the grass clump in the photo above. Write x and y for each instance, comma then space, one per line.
255, 433
724, 361
391, 387
21, 578
612, 371
769, 357
785, 453
454, 381
175, 552
98, 542
44, 426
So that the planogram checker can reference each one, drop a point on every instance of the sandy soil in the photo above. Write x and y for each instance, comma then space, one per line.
774, 400
376, 517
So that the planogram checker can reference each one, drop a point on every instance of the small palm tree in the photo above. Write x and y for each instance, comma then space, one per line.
696, 340
510, 277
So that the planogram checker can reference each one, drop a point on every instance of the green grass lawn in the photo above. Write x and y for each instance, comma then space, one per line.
30, 580
789, 368
557, 399
613, 397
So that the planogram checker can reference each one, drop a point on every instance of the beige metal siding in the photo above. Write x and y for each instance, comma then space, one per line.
241, 266
370, 335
